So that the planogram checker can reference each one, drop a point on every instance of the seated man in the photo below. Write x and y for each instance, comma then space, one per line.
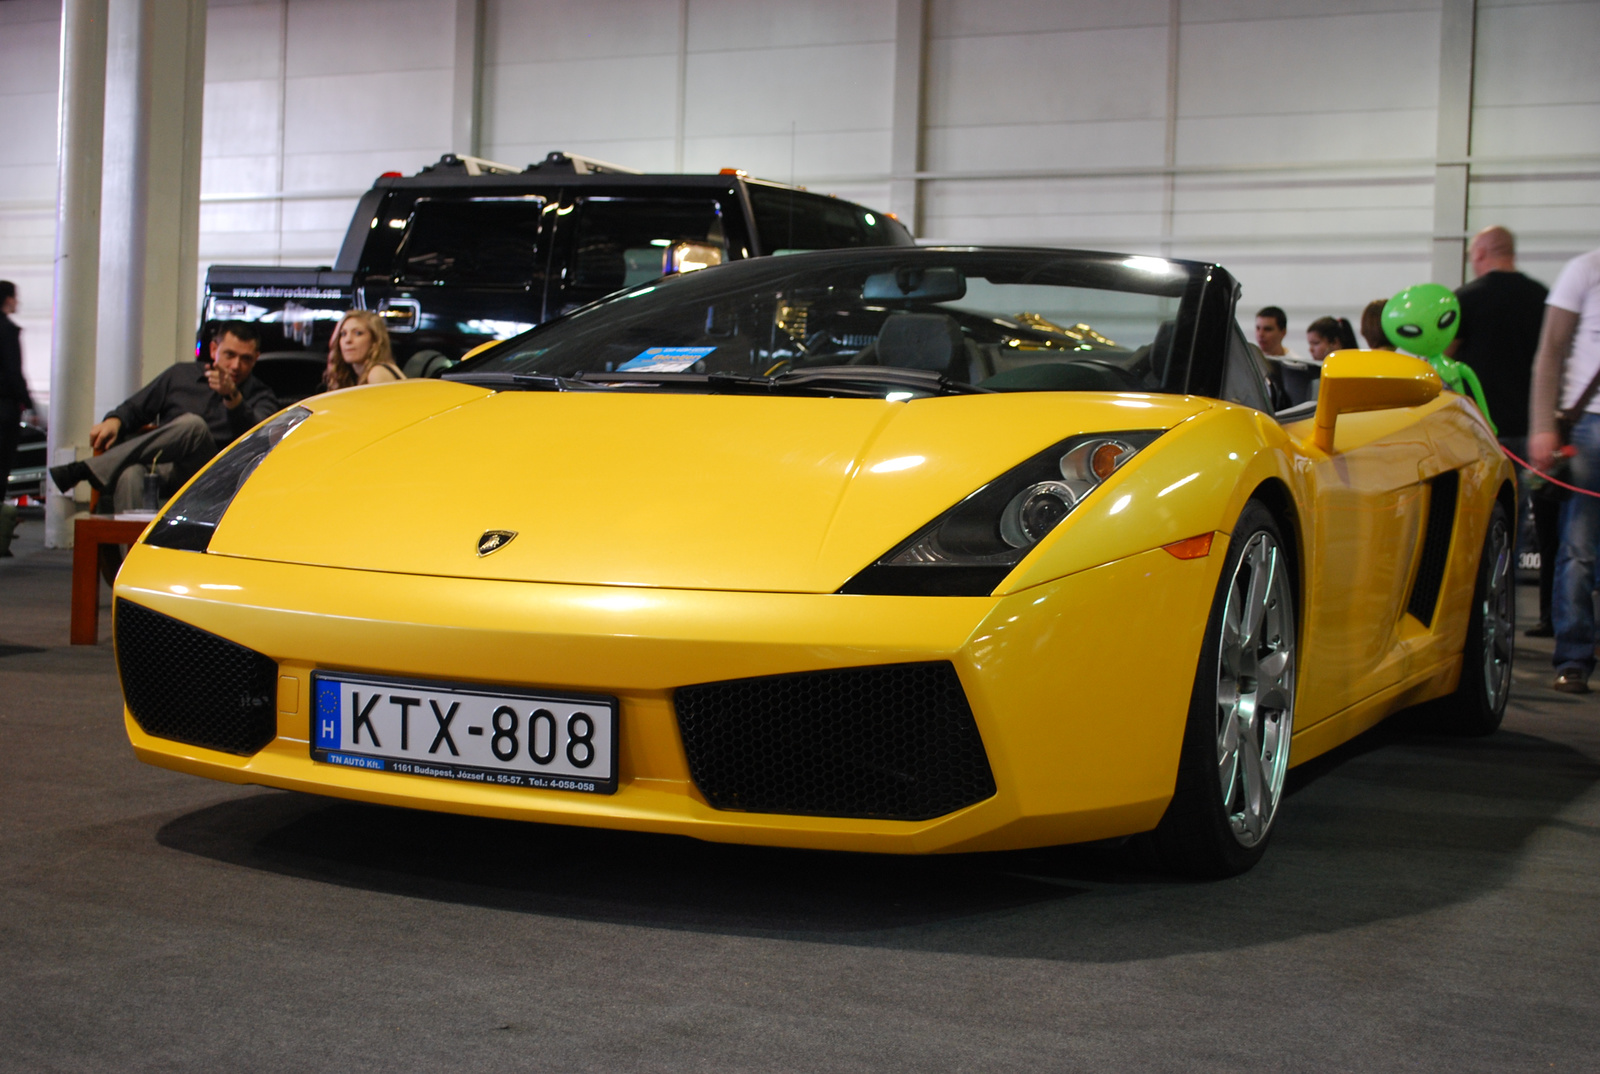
199, 407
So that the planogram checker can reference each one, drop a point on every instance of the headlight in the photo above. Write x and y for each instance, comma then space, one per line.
969, 549
191, 519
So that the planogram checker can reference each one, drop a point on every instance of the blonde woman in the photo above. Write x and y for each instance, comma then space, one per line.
359, 352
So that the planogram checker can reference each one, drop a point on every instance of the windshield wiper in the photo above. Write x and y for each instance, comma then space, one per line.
517, 382
864, 382
869, 380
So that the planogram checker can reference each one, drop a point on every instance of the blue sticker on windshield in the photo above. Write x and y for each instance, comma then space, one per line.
664, 359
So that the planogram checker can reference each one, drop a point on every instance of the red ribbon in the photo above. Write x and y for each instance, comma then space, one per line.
1553, 480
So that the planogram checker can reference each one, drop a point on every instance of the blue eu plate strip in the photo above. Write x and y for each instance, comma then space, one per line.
326, 715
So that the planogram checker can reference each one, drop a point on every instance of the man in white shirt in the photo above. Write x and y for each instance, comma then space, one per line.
1566, 377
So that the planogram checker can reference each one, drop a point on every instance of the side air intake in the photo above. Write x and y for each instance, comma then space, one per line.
1435, 546
892, 741
191, 686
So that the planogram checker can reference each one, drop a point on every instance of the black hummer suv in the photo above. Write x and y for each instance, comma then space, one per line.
467, 251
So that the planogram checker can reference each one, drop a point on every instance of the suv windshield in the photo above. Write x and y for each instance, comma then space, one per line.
1008, 320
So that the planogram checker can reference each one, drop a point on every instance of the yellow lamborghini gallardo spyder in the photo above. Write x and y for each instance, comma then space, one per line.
902, 550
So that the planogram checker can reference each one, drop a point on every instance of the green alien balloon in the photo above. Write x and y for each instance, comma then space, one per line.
1423, 320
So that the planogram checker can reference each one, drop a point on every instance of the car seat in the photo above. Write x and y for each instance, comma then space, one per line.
923, 341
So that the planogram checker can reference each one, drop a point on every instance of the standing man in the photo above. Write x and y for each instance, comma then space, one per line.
14, 403
1566, 374
1295, 375
199, 407
14, 398
1501, 314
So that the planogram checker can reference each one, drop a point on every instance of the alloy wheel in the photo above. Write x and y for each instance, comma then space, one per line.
1498, 623
1255, 689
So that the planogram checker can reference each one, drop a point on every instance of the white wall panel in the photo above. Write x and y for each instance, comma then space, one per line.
516, 31
370, 36
1089, 144
762, 90
741, 25
352, 113
242, 40
1277, 67
1537, 93
1275, 100
978, 18
767, 156
30, 130
555, 102
240, 120
1047, 78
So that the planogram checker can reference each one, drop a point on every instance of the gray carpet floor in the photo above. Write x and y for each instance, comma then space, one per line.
1428, 904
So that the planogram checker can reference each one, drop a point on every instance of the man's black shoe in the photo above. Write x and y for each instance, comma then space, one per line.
1541, 629
67, 476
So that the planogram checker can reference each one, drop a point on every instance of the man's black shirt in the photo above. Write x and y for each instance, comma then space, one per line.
183, 389
1501, 314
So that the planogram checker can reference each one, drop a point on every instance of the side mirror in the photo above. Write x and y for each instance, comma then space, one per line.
1353, 381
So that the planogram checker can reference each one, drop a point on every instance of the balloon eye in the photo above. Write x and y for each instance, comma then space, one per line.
1410, 331
1447, 318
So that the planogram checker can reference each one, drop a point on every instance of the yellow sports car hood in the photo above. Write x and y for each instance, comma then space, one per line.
782, 494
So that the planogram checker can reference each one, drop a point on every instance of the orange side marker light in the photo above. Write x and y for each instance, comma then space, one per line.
1191, 547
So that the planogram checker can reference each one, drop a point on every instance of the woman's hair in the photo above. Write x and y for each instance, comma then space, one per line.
1372, 325
339, 374
1336, 329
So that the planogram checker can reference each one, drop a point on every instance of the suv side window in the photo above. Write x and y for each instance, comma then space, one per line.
1242, 379
789, 220
471, 242
622, 242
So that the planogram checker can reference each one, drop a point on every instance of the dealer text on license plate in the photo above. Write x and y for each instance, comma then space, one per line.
497, 735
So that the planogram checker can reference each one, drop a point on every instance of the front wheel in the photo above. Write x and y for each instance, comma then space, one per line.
1479, 703
1235, 751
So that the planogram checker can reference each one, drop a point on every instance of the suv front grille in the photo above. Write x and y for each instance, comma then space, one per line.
891, 741
191, 686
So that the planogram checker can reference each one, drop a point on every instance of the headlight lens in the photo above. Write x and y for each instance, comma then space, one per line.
969, 549
191, 519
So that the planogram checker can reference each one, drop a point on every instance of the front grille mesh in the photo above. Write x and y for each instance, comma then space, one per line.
191, 686
891, 741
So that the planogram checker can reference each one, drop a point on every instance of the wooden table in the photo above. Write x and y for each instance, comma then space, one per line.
87, 537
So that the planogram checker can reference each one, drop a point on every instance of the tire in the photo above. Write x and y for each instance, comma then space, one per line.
1235, 752
1479, 703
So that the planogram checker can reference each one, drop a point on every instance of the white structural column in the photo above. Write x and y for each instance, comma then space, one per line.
905, 135
80, 128
466, 103
681, 115
1169, 183
150, 239
1457, 31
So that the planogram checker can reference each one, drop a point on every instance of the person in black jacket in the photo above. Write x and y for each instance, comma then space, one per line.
198, 409
14, 398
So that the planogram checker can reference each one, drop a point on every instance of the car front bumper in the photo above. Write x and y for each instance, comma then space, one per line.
1079, 688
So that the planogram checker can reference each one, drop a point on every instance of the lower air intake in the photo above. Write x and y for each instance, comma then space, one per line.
892, 741
191, 686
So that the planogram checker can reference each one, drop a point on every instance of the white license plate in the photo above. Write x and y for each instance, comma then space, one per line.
482, 734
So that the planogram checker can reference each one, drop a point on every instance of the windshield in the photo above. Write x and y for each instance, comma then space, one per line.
966, 320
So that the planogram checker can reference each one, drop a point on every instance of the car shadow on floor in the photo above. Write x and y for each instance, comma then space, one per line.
1394, 823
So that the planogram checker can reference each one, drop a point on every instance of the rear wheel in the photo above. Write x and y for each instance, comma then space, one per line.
1479, 703
1235, 751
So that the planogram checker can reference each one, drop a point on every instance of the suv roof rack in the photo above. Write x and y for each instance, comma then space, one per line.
472, 165
581, 165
